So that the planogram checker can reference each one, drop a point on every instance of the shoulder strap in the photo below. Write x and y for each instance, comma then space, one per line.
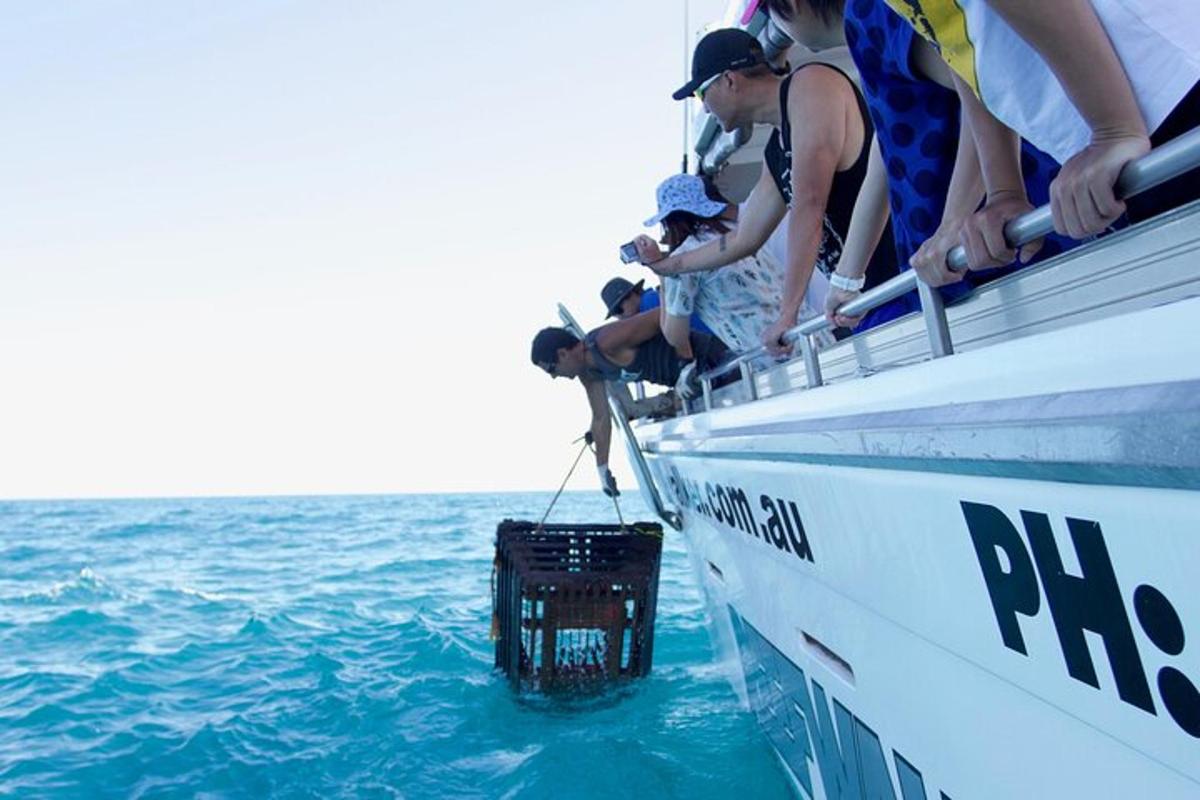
863, 111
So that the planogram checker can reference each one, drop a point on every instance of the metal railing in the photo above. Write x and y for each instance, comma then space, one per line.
1169, 161
636, 457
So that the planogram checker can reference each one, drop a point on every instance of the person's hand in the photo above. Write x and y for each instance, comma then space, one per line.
688, 384
983, 232
1082, 197
929, 261
771, 337
608, 484
835, 300
648, 250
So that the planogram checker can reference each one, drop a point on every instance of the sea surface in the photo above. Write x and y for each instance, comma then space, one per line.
328, 647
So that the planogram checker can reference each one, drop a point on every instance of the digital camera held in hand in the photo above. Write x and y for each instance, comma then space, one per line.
629, 253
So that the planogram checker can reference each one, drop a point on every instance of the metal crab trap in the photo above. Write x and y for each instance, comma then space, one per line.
573, 604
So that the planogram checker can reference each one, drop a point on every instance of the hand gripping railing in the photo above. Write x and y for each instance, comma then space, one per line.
1169, 161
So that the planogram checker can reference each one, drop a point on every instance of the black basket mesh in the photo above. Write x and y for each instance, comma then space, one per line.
574, 604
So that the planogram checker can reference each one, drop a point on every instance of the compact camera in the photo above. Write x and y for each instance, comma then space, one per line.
629, 253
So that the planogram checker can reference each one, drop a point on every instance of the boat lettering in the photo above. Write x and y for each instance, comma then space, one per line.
812, 728
857, 768
1020, 572
731, 506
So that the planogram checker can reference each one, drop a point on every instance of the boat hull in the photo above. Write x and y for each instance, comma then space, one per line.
985, 599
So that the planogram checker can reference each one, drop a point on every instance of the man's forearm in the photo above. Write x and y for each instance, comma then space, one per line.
602, 436
869, 219
966, 188
806, 223
725, 249
676, 330
998, 148
1075, 45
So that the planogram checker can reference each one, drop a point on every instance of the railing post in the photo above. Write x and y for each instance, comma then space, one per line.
639, 390
812, 363
933, 310
706, 388
748, 379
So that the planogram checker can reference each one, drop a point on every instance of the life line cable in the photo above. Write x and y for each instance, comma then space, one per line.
570, 472
587, 445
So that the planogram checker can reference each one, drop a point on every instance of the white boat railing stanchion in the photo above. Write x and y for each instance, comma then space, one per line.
933, 310
1162, 164
812, 361
636, 457
747, 370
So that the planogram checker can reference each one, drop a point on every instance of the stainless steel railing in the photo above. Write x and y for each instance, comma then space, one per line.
636, 457
1166, 162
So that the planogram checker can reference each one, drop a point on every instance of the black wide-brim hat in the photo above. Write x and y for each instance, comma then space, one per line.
617, 290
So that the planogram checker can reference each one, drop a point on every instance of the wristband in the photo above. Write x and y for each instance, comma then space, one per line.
845, 284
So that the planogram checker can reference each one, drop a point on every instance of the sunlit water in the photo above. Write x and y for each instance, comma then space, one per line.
327, 647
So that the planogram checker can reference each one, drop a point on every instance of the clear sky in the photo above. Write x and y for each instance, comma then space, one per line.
290, 246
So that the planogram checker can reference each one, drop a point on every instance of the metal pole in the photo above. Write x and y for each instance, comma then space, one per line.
747, 370
1169, 161
1157, 167
812, 362
686, 76
936, 327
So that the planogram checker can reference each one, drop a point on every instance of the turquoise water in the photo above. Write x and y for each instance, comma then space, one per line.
326, 647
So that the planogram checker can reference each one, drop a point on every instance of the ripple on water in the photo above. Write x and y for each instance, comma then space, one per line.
325, 647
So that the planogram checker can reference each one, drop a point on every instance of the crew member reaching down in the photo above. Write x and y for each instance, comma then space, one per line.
814, 165
1094, 83
627, 350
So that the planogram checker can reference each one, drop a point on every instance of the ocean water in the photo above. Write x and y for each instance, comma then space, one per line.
327, 647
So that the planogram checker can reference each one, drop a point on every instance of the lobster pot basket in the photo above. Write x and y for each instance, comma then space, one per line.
573, 605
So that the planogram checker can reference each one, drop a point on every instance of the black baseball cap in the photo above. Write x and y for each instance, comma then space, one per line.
721, 50
617, 290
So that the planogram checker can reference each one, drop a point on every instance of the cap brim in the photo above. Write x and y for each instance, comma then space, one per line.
688, 89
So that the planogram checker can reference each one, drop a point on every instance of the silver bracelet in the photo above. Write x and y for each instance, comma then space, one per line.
846, 284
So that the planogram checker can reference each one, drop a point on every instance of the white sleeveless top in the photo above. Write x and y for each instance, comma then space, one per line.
1158, 42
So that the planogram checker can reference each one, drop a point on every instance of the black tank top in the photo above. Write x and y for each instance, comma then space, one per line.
839, 208
655, 360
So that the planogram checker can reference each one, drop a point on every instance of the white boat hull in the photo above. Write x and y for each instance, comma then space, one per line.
990, 598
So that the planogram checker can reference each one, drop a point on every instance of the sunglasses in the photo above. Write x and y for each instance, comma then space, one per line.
702, 88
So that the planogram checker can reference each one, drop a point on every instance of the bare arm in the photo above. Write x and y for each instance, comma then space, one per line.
678, 303
629, 332
870, 218
601, 420
963, 196
1076, 47
816, 100
999, 153
677, 329
759, 217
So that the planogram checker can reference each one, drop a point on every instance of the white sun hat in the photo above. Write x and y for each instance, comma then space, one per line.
684, 193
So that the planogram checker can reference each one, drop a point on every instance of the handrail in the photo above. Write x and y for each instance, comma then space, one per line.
1162, 164
639, 461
